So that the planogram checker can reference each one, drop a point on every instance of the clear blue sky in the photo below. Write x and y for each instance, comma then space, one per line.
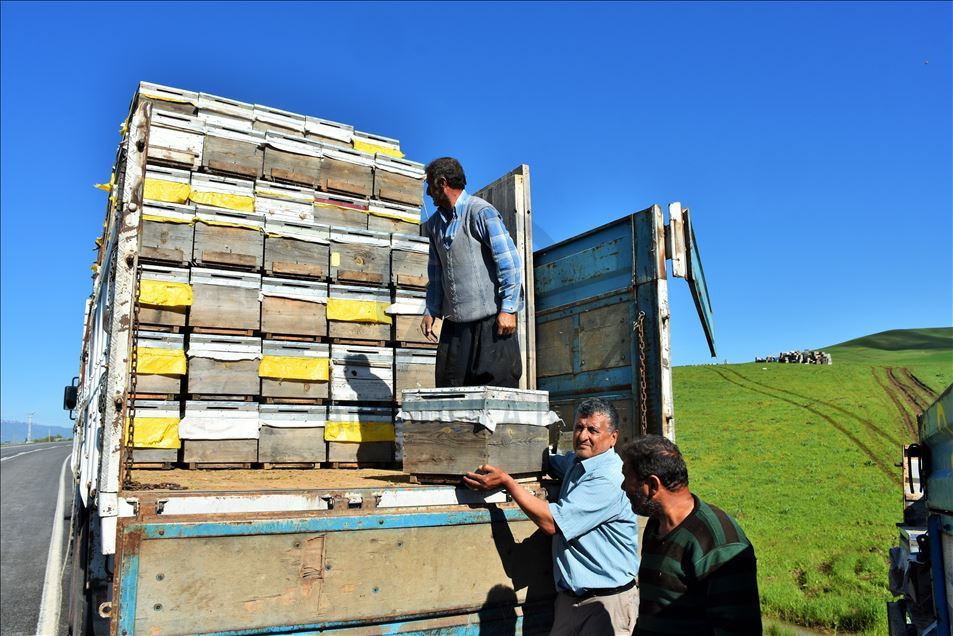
812, 142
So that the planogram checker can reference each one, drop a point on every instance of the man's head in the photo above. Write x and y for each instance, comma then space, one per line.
596, 429
653, 468
445, 181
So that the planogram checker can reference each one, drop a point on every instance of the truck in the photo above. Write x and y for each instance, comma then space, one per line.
340, 547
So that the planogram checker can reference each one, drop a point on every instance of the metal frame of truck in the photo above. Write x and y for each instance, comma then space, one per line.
362, 559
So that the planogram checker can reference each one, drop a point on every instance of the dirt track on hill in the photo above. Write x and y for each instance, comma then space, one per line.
891, 391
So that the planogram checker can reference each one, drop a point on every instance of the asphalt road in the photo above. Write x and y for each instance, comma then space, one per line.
29, 484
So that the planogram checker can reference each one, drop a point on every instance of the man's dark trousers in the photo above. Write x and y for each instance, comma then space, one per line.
473, 354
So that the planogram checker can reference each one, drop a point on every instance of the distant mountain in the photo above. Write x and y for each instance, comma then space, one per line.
898, 347
12, 431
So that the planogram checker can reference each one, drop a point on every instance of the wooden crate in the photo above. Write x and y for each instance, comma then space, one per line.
159, 383
376, 144
292, 160
233, 151
407, 312
163, 315
146, 449
166, 98
442, 433
223, 365
292, 433
228, 237
359, 256
291, 307
228, 113
219, 432
349, 329
362, 374
409, 256
393, 218
328, 132
284, 202
167, 232
289, 387
347, 171
398, 180
220, 451
269, 119
225, 192
176, 139
297, 249
413, 369
340, 211
362, 452
166, 184
225, 299
142, 455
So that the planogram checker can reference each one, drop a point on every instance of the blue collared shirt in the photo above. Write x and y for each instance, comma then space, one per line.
596, 545
489, 228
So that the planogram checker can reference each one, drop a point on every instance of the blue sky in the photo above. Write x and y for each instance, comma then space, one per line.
812, 142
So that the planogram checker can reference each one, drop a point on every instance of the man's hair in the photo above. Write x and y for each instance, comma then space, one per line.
656, 455
592, 406
448, 168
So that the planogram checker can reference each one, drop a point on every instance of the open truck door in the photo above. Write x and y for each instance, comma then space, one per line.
602, 317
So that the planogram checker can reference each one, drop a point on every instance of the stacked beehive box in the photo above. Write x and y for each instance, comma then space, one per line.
281, 288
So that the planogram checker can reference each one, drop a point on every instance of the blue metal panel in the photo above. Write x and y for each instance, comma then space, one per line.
936, 433
561, 386
698, 285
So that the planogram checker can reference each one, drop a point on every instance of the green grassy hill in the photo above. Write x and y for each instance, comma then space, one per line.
804, 457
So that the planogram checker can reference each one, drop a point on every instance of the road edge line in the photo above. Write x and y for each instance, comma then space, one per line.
48, 620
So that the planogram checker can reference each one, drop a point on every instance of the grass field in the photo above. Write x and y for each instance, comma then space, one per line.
804, 457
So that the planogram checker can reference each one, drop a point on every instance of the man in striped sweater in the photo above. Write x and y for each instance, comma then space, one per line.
698, 573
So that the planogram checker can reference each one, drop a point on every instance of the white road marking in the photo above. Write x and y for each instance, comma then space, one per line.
48, 622
35, 450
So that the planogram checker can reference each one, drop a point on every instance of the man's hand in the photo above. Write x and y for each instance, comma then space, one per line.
426, 326
487, 478
505, 324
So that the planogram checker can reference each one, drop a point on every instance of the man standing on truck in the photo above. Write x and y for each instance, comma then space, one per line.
595, 532
698, 572
474, 282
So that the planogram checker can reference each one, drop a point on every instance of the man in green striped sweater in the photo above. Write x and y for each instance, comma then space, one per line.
698, 573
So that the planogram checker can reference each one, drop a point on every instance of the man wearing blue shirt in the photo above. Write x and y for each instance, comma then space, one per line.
474, 282
595, 533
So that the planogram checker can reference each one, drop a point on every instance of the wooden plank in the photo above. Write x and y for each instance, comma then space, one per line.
223, 377
554, 351
279, 165
293, 389
236, 246
225, 307
166, 242
408, 269
352, 262
164, 316
359, 330
407, 329
445, 448
183, 108
283, 445
384, 224
390, 186
158, 383
231, 156
347, 178
361, 452
293, 317
290, 256
605, 337
155, 455
341, 217
219, 451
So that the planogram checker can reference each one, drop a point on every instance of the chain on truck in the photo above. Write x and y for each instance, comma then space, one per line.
239, 455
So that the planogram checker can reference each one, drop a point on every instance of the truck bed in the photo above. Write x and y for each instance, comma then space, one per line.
256, 480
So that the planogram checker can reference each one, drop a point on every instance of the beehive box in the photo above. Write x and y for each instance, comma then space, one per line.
414, 369
223, 299
228, 237
167, 185
376, 144
269, 119
383, 216
165, 295
160, 362
291, 307
233, 151
328, 132
347, 171
398, 180
218, 191
292, 160
409, 256
167, 232
292, 433
219, 432
284, 202
360, 434
156, 432
221, 112
448, 432
362, 374
221, 365
177, 139
341, 211
297, 248
407, 311
358, 313
296, 370
359, 256
169, 99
